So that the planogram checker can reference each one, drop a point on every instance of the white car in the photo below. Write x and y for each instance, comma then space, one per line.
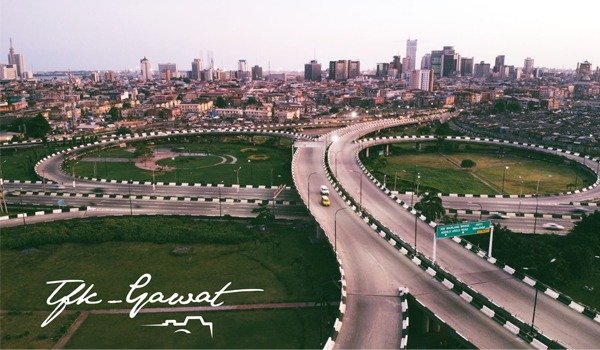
324, 190
553, 226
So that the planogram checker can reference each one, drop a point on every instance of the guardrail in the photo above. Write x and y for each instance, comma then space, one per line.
476, 299
403, 294
330, 343
588, 311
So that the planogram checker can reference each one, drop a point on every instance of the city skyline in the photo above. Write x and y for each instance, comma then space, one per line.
271, 34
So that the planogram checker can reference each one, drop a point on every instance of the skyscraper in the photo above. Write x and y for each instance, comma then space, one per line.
17, 60
146, 71
426, 61
436, 62
197, 67
242, 66
167, 70
411, 51
382, 69
450, 62
584, 71
482, 70
312, 71
353, 69
466, 66
257, 72
422, 79
528, 66
499, 63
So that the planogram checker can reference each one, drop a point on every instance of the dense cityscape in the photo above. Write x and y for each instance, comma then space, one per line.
93, 101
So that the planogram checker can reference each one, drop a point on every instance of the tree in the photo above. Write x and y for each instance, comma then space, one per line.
252, 101
123, 131
431, 206
220, 102
115, 114
37, 127
379, 163
443, 130
467, 163
265, 215
334, 110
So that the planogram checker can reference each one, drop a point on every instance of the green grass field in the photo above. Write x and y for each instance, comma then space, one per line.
441, 172
274, 170
282, 261
274, 329
17, 163
21, 330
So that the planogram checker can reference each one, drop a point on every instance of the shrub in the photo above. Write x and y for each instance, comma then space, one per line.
467, 163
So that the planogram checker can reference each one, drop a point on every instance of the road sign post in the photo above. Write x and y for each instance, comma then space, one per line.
463, 229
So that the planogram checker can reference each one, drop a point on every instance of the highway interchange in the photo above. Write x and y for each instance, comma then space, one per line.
374, 269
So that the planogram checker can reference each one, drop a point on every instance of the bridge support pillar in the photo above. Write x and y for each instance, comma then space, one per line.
387, 150
367, 152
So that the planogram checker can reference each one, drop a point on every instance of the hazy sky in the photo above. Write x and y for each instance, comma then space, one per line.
116, 34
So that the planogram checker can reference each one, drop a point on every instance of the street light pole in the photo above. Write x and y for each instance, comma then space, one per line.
531, 330
504, 177
480, 209
336, 161
311, 174
130, 204
416, 216
360, 191
413, 192
335, 229
537, 191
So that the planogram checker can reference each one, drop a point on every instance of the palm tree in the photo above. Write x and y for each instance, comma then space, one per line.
431, 206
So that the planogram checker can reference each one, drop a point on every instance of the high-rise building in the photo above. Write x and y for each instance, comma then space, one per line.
528, 66
382, 70
167, 70
197, 67
17, 60
498, 63
257, 72
406, 64
353, 69
343, 69
396, 63
8, 72
584, 71
242, 66
482, 70
146, 71
312, 71
450, 62
466, 66
422, 79
436, 62
426, 61
411, 51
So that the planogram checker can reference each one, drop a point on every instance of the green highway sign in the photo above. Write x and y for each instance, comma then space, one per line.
463, 229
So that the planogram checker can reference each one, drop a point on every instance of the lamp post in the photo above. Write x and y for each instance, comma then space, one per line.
537, 191
521, 191
311, 174
504, 177
335, 229
480, 209
536, 296
416, 216
360, 191
220, 205
413, 192
336, 161
176, 172
130, 204
73, 173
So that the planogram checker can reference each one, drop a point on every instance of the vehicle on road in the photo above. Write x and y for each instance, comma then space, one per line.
499, 216
579, 211
325, 201
324, 190
553, 226
56, 187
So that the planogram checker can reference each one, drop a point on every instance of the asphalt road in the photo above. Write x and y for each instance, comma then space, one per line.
374, 272
552, 317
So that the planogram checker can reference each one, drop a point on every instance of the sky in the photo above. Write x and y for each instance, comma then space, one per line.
116, 34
